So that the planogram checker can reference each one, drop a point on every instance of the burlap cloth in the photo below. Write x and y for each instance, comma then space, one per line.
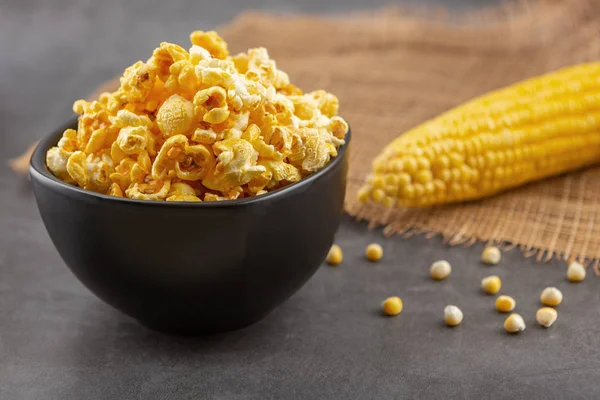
393, 69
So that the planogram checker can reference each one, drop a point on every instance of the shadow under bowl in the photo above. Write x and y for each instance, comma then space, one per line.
192, 268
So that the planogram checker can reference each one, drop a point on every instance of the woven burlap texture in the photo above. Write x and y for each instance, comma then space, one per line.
393, 69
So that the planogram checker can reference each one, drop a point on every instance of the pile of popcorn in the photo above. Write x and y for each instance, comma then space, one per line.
199, 125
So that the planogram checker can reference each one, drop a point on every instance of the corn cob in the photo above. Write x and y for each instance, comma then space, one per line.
538, 128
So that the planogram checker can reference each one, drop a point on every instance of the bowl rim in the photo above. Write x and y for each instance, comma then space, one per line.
39, 171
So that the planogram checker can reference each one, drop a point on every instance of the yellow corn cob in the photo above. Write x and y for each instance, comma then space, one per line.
531, 130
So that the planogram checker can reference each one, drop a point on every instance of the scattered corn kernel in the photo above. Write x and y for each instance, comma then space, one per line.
514, 323
575, 272
440, 270
546, 316
491, 255
551, 296
505, 303
452, 315
392, 306
335, 256
374, 252
491, 284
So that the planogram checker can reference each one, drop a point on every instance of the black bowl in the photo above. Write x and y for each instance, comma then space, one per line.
193, 268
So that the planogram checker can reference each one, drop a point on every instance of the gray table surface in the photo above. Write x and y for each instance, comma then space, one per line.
57, 341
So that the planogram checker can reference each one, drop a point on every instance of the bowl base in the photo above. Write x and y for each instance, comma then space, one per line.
190, 329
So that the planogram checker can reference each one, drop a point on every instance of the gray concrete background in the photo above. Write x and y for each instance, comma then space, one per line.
328, 341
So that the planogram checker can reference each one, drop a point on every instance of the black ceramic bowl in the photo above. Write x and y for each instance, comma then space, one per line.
193, 268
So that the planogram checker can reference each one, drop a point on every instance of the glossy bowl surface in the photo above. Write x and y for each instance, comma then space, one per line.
192, 268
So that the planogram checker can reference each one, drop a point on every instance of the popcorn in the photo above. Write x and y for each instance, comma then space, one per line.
199, 126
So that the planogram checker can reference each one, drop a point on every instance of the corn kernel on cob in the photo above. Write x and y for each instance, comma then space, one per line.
531, 130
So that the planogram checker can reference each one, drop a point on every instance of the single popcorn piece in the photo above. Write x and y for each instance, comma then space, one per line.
440, 270
505, 303
491, 255
551, 296
392, 306
175, 116
576, 272
452, 315
514, 323
491, 284
546, 316
199, 125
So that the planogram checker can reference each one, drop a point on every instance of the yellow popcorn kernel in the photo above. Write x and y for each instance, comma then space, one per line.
99, 139
392, 306
175, 116
99, 168
491, 284
198, 53
182, 77
374, 252
137, 82
514, 323
122, 174
335, 255
115, 190
546, 316
253, 135
77, 169
241, 61
164, 56
259, 182
181, 188
551, 296
149, 189
328, 103
178, 158
281, 171
68, 141
125, 118
212, 42
338, 127
505, 303
575, 272
310, 153
133, 139
195, 163
236, 162
206, 136
216, 116
281, 139
183, 197
452, 315
212, 76
213, 197
164, 164
56, 160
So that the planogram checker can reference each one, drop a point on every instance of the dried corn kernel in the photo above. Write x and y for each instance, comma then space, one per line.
452, 315
491, 284
230, 126
374, 252
576, 272
335, 256
546, 316
505, 303
392, 306
440, 270
491, 255
551, 296
514, 323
